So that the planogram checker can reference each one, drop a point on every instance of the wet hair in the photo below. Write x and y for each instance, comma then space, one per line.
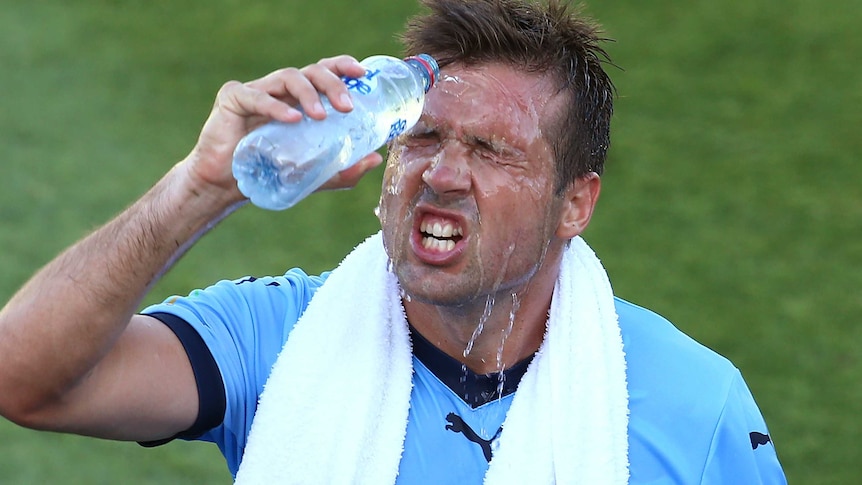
550, 39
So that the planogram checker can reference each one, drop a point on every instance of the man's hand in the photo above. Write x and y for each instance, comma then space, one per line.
242, 107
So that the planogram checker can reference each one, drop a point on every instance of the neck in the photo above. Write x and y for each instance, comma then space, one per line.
493, 332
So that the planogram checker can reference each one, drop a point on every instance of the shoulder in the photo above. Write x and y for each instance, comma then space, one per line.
243, 324
241, 301
654, 346
691, 413
676, 385
295, 284
247, 318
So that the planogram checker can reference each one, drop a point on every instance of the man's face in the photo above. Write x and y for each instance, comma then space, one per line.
467, 205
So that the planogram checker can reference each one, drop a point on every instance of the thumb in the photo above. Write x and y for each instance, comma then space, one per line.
350, 176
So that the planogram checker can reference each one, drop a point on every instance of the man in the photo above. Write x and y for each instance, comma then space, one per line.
475, 338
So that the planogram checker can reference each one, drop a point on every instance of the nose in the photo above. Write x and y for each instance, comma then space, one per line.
448, 171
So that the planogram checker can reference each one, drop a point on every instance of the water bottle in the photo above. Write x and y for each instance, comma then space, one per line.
278, 164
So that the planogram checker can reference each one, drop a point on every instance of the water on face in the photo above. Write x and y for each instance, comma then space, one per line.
397, 170
525, 113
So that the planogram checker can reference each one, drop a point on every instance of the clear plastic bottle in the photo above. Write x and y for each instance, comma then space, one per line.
278, 164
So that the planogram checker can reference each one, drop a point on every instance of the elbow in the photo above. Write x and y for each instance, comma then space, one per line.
21, 418
17, 414
28, 397
24, 409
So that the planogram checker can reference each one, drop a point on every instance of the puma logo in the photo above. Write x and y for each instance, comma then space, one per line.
758, 439
252, 279
457, 425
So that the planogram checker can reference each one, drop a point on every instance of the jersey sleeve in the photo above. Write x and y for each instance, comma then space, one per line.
742, 450
243, 324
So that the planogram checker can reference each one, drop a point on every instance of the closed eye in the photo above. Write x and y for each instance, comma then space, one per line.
496, 151
484, 144
488, 146
420, 137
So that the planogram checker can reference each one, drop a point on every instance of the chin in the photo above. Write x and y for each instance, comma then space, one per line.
438, 294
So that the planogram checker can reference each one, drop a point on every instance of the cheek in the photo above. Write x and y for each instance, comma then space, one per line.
510, 185
405, 168
400, 181
394, 169
521, 208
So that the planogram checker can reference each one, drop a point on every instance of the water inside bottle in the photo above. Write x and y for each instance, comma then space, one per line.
272, 182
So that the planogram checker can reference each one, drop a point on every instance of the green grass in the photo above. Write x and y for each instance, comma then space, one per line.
731, 202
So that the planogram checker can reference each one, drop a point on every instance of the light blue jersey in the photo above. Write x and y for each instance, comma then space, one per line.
692, 420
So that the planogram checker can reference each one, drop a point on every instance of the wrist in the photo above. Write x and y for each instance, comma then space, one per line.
195, 200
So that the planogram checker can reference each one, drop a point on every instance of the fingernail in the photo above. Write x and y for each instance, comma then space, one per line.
346, 100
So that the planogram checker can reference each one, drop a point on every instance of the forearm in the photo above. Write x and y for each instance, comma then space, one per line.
72, 356
57, 328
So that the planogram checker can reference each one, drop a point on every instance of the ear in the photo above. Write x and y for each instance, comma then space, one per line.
579, 200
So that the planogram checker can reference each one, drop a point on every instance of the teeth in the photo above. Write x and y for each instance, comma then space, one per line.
437, 234
439, 230
439, 245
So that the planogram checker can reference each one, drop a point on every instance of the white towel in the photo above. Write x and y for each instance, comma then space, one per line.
334, 410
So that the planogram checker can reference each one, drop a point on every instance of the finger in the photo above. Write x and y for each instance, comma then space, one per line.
349, 177
324, 82
343, 66
274, 82
327, 77
292, 87
245, 101
303, 87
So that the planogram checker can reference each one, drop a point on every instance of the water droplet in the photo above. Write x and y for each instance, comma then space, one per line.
516, 305
489, 306
501, 383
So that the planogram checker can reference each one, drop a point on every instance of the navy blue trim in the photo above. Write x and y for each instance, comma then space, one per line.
475, 389
211, 394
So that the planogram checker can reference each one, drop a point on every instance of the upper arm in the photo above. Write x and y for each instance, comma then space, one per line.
144, 389
147, 388
741, 451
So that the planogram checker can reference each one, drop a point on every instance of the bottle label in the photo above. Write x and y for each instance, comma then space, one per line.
396, 128
362, 85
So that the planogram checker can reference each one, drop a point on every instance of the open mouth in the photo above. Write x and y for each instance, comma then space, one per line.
439, 234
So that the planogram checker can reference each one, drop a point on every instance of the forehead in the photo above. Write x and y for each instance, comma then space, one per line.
491, 98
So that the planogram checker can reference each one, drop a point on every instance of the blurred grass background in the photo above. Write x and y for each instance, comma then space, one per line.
731, 202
